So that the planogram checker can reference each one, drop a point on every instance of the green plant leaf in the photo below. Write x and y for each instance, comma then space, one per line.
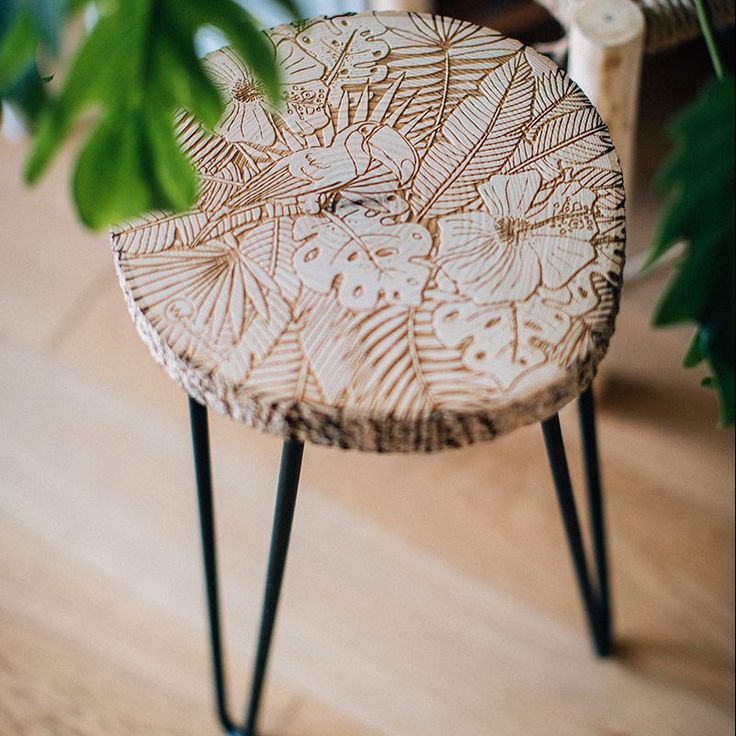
134, 72
97, 74
241, 30
172, 171
694, 353
111, 165
698, 178
178, 70
18, 48
29, 94
27, 26
49, 15
719, 347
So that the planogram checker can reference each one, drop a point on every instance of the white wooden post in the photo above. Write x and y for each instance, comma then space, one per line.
605, 55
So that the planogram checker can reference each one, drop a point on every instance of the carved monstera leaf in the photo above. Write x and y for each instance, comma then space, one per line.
347, 53
490, 339
589, 300
364, 257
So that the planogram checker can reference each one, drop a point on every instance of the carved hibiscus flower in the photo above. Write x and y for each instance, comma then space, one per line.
525, 237
362, 253
248, 115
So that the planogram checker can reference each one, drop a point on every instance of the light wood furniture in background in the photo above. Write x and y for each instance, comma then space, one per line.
606, 45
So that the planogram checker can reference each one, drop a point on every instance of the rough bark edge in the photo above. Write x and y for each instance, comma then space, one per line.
352, 428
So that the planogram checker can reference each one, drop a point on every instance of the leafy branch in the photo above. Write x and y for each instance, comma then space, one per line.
698, 178
135, 69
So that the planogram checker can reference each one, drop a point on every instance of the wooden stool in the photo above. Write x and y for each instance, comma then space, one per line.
421, 249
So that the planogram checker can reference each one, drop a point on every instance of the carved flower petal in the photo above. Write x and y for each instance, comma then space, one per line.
486, 269
227, 69
567, 211
510, 195
248, 122
562, 258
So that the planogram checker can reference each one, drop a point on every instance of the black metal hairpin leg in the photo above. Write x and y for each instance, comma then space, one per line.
595, 599
291, 460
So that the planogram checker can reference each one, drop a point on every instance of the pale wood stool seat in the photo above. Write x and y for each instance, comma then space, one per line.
422, 247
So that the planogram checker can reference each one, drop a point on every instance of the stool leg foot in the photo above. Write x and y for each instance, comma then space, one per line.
291, 459
596, 600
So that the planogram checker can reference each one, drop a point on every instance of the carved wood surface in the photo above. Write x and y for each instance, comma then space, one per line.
421, 248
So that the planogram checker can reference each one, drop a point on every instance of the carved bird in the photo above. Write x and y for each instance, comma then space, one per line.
312, 174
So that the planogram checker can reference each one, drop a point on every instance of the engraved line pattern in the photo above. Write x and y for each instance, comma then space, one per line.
432, 224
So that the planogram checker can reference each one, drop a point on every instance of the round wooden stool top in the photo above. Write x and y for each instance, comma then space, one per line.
421, 248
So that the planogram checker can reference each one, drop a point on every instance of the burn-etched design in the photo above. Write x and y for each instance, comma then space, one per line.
420, 248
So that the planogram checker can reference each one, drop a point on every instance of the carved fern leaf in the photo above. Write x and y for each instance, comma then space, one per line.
390, 374
555, 95
607, 185
284, 373
577, 137
476, 140
209, 151
328, 342
442, 60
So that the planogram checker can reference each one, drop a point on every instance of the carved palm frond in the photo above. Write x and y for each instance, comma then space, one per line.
157, 232
404, 365
579, 135
476, 140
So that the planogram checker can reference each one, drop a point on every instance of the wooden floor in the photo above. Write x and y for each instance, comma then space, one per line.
425, 596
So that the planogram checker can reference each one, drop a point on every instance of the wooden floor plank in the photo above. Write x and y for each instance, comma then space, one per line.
50, 266
368, 614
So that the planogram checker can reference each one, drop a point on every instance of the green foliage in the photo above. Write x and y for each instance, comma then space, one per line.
134, 70
699, 179
27, 26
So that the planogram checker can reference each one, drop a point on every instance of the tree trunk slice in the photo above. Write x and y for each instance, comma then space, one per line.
422, 248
